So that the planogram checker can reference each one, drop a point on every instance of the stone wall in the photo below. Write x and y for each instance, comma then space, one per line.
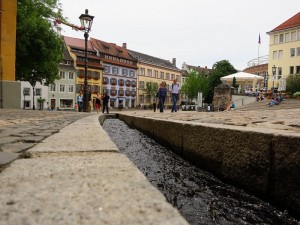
266, 165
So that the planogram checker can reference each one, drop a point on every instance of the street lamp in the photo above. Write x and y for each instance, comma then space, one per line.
274, 73
86, 21
24, 93
33, 92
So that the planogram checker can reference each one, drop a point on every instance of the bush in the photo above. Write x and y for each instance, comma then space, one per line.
296, 94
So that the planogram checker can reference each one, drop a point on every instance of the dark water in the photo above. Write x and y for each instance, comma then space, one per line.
200, 197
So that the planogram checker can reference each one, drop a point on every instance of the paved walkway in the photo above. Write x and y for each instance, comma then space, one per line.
74, 176
68, 171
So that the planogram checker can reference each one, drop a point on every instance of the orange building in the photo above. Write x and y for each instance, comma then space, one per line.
9, 89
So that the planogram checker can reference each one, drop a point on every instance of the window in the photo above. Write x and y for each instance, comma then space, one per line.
115, 70
141, 84
167, 76
280, 54
297, 69
298, 51
155, 73
62, 74
274, 54
291, 70
38, 92
62, 88
106, 69
71, 76
293, 36
149, 73
287, 37
132, 74
142, 71
66, 104
26, 91
279, 73
162, 75
173, 76
280, 38
71, 88
292, 52
52, 87
298, 35
124, 72
275, 39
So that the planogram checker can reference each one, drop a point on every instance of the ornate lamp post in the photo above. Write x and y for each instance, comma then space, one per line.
273, 73
86, 21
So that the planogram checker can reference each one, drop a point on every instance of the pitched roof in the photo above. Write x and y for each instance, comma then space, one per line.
152, 60
199, 69
111, 49
78, 43
290, 23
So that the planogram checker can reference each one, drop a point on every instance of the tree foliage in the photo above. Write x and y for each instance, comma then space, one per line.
193, 84
151, 90
293, 83
38, 46
219, 69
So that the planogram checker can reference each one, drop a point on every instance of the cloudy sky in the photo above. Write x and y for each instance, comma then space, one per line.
198, 32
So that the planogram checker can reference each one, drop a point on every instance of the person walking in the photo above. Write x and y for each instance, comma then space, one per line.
80, 101
162, 93
175, 88
98, 102
105, 100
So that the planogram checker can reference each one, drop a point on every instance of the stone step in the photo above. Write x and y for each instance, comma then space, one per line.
286, 104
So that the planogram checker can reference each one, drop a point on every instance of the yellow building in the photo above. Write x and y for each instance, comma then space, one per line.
284, 52
9, 88
156, 70
76, 49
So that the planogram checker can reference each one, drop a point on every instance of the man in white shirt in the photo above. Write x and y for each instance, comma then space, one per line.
175, 88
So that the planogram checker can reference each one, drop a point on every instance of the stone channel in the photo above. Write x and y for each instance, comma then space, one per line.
199, 196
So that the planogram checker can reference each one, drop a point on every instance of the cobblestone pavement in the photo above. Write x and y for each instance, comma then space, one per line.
22, 129
275, 121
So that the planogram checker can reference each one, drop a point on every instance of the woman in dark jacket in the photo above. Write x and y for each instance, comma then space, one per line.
162, 93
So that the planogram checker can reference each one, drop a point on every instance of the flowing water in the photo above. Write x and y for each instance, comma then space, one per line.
200, 197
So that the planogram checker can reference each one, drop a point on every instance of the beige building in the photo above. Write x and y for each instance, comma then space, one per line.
156, 70
284, 52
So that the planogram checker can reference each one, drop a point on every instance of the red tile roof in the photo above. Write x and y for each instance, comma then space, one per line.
290, 23
112, 49
78, 43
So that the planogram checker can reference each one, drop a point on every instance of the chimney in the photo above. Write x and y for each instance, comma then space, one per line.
124, 45
174, 61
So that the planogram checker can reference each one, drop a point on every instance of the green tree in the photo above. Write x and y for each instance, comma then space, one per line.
151, 90
293, 83
234, 84
38, 46
193, 84
219, 69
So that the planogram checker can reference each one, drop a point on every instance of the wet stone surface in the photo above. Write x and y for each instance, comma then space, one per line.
199, 196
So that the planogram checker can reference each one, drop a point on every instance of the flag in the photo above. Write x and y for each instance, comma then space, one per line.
259, 42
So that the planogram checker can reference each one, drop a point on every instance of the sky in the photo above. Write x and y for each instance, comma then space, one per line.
197, 32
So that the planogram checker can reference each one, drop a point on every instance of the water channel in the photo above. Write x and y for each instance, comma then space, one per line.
200, 197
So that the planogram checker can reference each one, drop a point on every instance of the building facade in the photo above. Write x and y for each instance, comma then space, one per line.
34, 98
119, 73
76, 49
284, 52
62, 94
156, 70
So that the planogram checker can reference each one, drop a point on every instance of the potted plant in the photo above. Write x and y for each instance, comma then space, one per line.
296, 95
